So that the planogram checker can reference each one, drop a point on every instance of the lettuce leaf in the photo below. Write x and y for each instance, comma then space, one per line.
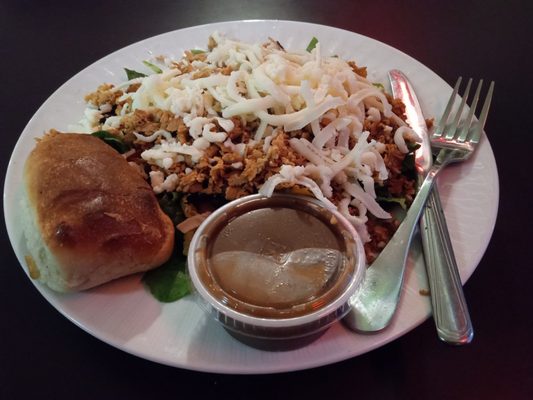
170, 203
114, 141
398, 200
409, 162
131, 74
171, 281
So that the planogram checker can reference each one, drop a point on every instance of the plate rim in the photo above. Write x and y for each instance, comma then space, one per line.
10, 191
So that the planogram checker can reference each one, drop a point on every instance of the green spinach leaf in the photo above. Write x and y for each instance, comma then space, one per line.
131, 74
170, 203
397, 200
114, 141
408, 164
171, 281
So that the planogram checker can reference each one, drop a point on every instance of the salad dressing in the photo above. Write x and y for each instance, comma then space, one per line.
279, 259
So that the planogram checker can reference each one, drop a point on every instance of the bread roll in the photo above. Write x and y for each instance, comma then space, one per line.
91, 217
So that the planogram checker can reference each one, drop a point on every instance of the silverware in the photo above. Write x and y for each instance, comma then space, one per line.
450, 311
376, 302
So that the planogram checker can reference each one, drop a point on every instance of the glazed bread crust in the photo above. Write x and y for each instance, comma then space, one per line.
97, 219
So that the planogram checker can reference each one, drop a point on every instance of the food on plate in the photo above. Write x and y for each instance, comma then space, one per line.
90, 216
238, 119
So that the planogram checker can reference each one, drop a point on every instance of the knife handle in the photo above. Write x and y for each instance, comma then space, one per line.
450, 311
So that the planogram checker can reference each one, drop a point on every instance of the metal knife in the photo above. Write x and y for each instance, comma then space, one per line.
450, 311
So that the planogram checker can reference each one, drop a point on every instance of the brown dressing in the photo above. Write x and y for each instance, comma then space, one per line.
275, 258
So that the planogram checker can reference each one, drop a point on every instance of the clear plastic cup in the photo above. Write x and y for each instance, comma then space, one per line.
276, 271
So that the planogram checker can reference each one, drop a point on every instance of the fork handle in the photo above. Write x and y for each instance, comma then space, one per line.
450, 311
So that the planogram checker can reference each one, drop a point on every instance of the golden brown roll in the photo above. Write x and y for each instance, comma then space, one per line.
90, 216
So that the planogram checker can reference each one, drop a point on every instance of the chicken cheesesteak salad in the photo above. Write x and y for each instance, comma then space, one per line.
238, 119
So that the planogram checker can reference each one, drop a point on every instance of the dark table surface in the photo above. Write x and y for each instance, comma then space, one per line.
43, 354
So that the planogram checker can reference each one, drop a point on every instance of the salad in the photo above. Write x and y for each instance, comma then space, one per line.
241, 118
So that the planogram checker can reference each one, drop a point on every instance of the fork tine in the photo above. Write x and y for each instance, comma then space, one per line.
476, 134
468, 121
450, 133
486, 106
442, 123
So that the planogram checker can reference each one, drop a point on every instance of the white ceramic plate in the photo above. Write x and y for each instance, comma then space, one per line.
126, 316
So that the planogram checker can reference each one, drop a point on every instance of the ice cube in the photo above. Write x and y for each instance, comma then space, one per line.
286, 280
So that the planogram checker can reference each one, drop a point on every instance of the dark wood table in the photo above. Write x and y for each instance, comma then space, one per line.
43, 354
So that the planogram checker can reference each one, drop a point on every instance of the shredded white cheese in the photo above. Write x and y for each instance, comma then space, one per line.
273, 89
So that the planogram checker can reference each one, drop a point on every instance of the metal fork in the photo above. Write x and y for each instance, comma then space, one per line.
459, 144
376, 302
450, 311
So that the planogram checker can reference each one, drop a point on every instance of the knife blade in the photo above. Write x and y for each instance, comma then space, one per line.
450, 311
